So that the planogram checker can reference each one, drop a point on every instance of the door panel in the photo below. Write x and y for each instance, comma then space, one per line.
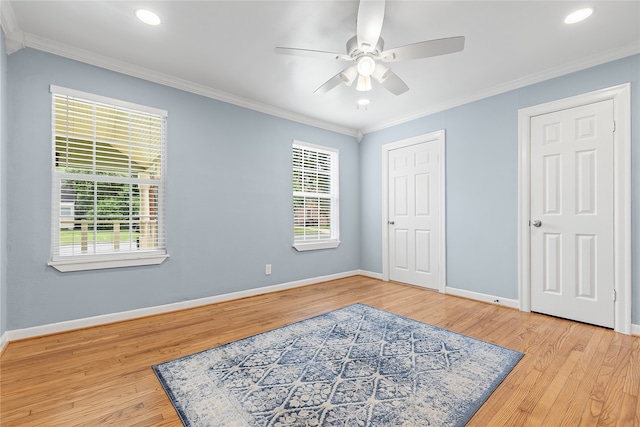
552, 187
400, 207
572, 197
401, 247
552, 263
422, 193
585, 268
423, 256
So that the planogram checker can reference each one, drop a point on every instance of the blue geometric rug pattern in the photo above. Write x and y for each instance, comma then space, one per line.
353, 367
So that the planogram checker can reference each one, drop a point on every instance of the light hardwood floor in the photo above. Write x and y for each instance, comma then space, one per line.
572, 374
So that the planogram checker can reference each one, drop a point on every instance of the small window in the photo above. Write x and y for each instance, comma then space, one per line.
108, 182
315, 197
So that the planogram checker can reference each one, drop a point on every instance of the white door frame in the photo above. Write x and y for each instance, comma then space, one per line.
621, 96
437, 138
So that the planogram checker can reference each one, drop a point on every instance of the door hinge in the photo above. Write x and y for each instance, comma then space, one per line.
614, 125
614, 295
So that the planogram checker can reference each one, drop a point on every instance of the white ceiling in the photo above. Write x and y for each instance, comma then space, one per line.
225, 49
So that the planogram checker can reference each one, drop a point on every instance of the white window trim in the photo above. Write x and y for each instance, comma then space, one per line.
96, 262
334, 241
313, 246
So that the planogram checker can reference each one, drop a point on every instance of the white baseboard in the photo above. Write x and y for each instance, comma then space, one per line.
4, 340
370, 274
513, 303
86, 322
635, 329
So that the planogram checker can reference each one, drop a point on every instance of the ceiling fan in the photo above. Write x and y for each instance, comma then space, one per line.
366, 50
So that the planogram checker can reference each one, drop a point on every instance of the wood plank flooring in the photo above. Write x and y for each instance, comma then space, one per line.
572, 374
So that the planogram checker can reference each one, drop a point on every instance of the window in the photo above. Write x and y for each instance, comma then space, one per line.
108, 183
315, 197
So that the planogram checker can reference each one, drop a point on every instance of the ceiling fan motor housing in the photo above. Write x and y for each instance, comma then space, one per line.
354, 52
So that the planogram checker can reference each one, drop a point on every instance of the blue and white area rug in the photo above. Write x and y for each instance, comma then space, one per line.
353, 367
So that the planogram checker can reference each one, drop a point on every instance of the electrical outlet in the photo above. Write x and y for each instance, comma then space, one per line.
267, 269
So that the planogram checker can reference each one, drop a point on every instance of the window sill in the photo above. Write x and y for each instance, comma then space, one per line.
313, 246
98, 264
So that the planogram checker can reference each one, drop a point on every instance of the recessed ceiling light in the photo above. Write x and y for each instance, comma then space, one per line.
148, 17
578, 15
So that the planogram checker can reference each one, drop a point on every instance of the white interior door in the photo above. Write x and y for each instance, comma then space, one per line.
571, 211
413, 214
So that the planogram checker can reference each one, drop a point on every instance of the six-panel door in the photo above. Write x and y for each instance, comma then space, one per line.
572, 198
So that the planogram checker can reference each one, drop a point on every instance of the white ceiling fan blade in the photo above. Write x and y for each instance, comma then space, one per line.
330, 84
424, 49
311, 53
394, 84
369, 24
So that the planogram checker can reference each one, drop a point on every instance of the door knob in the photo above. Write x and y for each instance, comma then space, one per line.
536, 223
391, 222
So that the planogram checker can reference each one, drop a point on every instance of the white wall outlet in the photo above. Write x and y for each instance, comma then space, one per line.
267, 269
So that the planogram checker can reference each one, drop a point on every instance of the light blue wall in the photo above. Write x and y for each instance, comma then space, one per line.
481, 179
229, 193
228, 210
3, 180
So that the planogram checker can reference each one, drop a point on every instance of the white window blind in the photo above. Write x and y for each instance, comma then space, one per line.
108, 179
315, 196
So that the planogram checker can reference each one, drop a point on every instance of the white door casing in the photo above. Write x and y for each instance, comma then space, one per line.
582, 243
572, 213
413, 206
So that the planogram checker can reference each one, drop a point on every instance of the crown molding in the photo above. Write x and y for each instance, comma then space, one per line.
7, 17
15, 40
13, 35
87, 57
571, 67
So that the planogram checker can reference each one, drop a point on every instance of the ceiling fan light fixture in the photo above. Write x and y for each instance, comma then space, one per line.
364, 84
578, 15
349, 75
366, 65
148, 17
366, 50
381, 72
